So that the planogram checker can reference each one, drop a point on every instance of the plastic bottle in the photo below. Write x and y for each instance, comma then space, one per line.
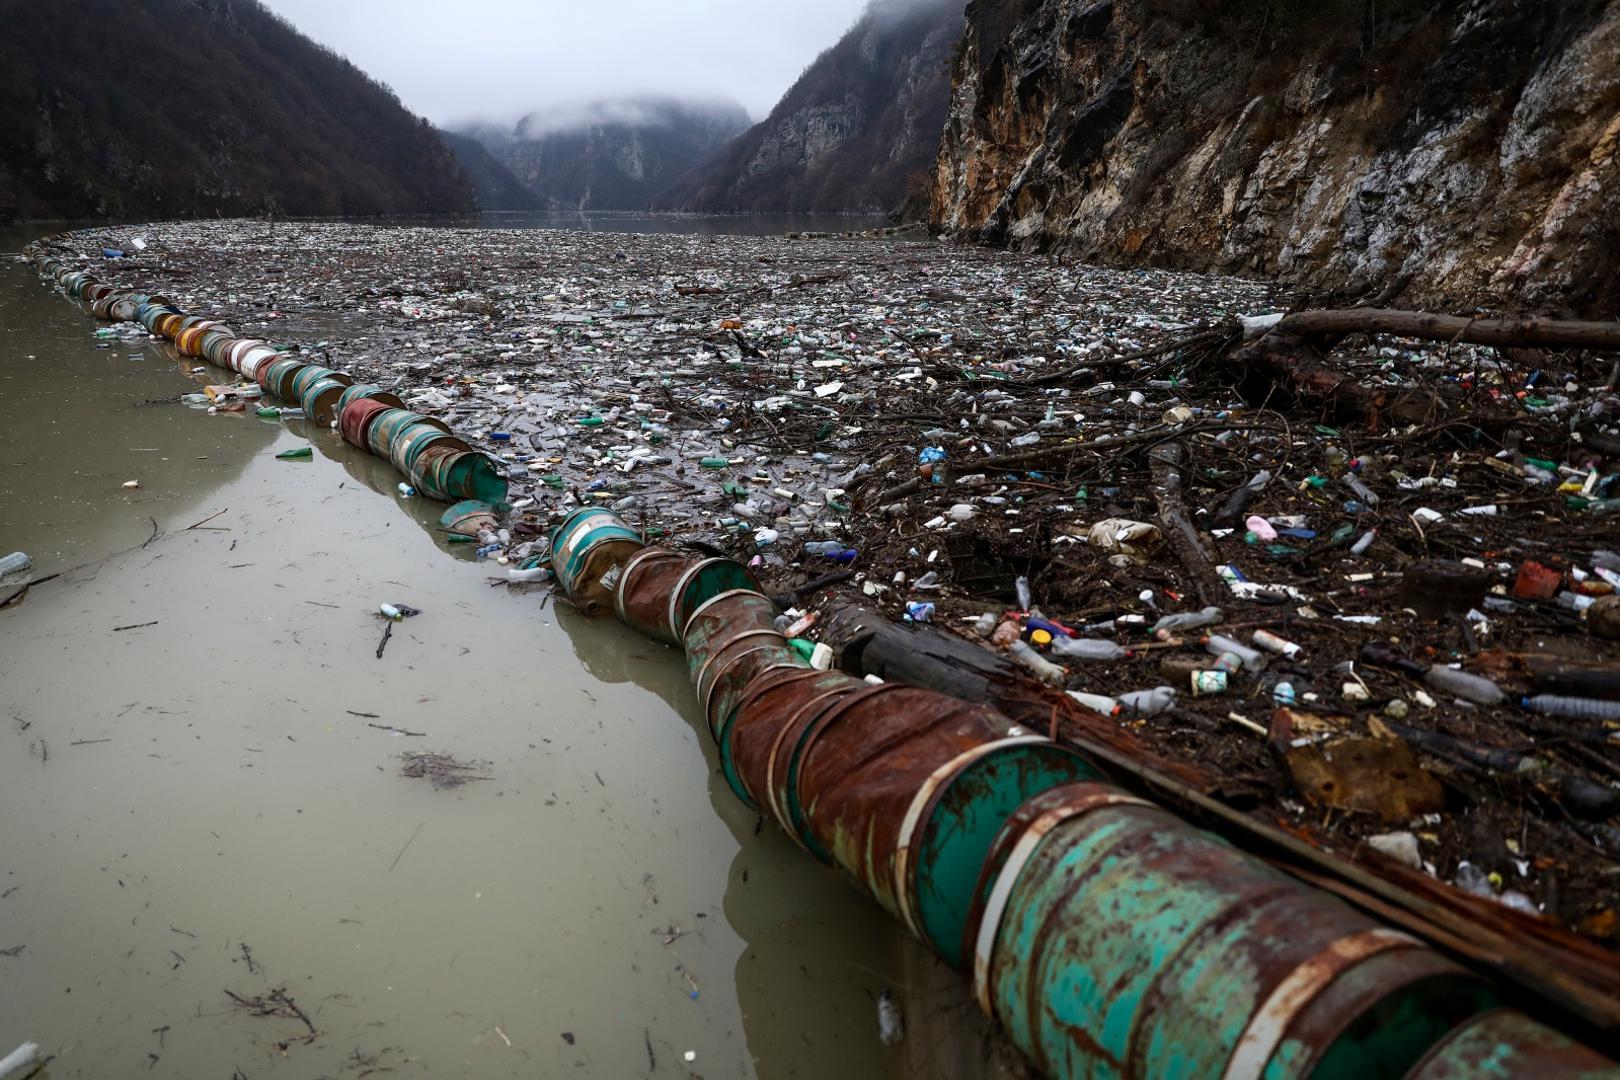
1022, 587
1464, 684
1272, 643
1215, 644
1087, 649
1100, 702
929, 580
538, 573
1574, 708
406, 490
1165, 628
15, 563
1360, 546
985, 624
1240, 499
1363, 492
1148, 702
822, 547
1043, 669
917, 611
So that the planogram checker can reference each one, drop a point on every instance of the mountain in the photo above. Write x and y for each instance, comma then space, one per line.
1428, 152
494, 186
171, 108
858, 131
611, 155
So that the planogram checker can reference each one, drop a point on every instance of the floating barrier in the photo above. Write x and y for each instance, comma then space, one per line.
445, 468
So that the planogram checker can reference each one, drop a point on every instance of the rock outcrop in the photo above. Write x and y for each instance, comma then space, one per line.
1444, 153
858, 131
494, 186
611, 155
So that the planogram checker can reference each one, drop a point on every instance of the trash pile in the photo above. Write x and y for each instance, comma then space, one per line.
1382, 604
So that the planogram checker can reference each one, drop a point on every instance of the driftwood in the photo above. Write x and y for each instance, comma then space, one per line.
1165, 460
1522, 333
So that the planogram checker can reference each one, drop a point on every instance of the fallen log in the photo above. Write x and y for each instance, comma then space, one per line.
1520, 332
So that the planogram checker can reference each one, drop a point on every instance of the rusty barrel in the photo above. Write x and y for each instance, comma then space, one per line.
411, 441
427, 472
953, 821
1505, 1044
729, 640
365, 391
392, 423
1118, 940
702, 581
641, 599
355, 422
861, 764
167, 323
319, 398
759, 712
766, 736
585, 546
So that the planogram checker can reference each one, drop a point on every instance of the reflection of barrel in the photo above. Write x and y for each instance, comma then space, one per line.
355, 422
1505, 1044
365, 391
863, 763
319, 398
952, 822
702, 581
641, 599
585, 545
1123, 941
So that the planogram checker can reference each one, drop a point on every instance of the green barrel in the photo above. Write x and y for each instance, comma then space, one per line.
1505, 1044
761, 711
427, 472
701, 582
1125, 942
585, 546
309, 375
215, 347
391, 423
411, 441
361, 391
319, 398
275, 378
472, 475
953, 821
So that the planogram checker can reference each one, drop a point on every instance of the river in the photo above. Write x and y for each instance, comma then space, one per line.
201, 778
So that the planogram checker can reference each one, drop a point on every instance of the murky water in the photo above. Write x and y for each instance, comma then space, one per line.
198, 798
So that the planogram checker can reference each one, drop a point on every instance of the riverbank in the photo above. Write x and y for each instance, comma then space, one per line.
753, 395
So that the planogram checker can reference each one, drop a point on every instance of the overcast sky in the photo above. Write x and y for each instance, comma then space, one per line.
497, 59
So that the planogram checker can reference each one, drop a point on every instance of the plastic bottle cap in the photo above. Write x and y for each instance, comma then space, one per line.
1041, 637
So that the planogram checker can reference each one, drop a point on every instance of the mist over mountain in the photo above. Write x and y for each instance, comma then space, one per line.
610, 155
858, 131
173, 108
494, 186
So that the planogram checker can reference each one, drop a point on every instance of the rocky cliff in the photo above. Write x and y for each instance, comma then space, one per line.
170, 108
611, 155
494, 186
857, 129
1441, 153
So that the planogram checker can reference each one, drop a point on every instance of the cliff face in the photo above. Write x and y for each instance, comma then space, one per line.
494, 186
860, 125
1443, 153
615, 155
170, 108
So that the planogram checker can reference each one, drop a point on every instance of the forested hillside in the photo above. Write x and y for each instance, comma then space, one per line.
172, 108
